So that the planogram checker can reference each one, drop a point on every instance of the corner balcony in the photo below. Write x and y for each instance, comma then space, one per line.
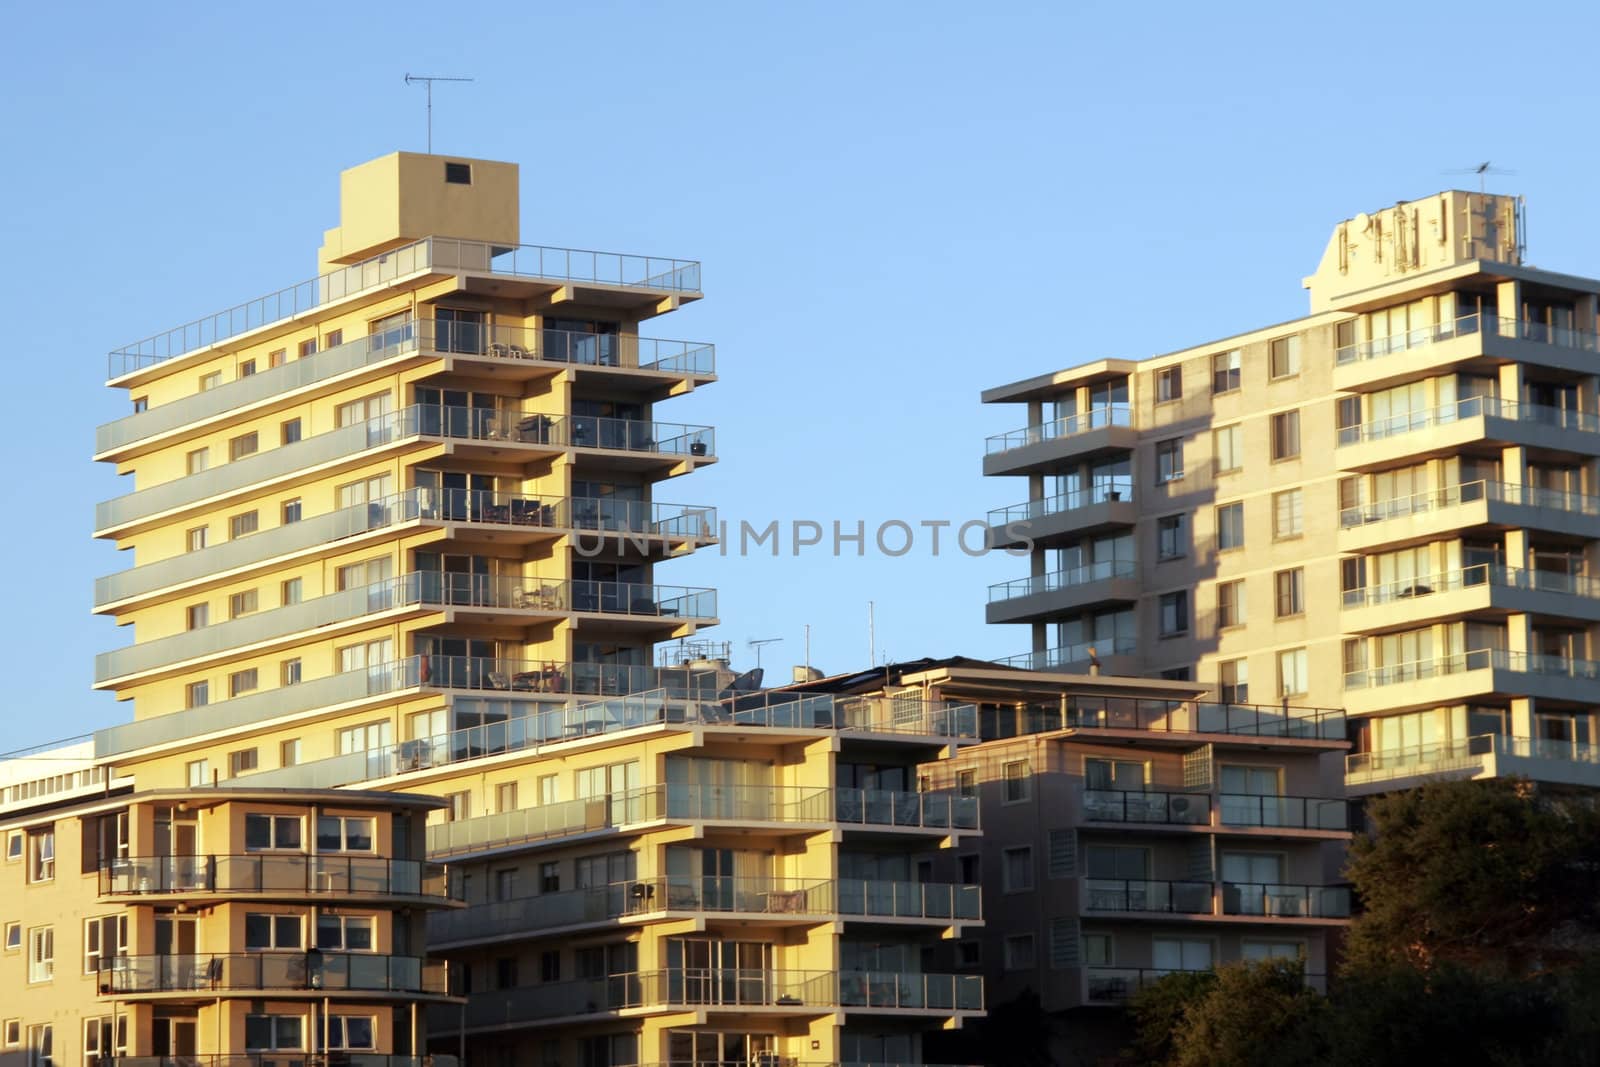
1448, 430
1045, 596
1117, 655
311, 973
1467, 676
1478, 590
641, 283
1220, 901
1048, 521
279, 876
1052, 444
1545, 760
1246, 814
1446, 512
1430, 350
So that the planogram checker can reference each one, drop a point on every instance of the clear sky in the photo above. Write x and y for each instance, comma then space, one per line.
896, 204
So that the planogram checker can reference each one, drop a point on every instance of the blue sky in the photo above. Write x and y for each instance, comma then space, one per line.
897, 204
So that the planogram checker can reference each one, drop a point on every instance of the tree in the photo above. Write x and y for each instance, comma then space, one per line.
1255, 1014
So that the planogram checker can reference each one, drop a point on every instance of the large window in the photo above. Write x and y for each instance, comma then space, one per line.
1116, 861
1291, 587
350, 1032
344, 833
42, 854
1230, 604
41, 953
1230, 526
1225, 371
1169, 460
1285, 357
1016, 869
264, 832
1180, 954
344, 933
1233, 681
266, 1033
1288, 513
263, 931
1018, 781
41, 1045
370, 407
1172, 536
1227, 445
1286, 435
1293, 677
1123, 774
1174, 613
1169, 384
366, 737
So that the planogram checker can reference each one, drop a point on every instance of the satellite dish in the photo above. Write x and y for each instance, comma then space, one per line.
1180, 805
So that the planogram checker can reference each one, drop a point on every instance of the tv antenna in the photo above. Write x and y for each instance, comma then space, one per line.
428, 80
756, 644
1481, 170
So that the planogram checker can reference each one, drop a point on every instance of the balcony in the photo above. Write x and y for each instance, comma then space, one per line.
432, 255
634, 444
1034, 448
1139, 715
1118, 985
1076, 659
1445, 512
873, 899
1236, 811
1482, 588
1464, 676
1047, 521
1045, 595
286, 875
1571, 763
1447, 430
277, 972
888, 808
1221, 899
284, 1059
1428, 350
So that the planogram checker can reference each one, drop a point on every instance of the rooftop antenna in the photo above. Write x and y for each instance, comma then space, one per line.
872, 634
1481, 170
428, 80
757, 643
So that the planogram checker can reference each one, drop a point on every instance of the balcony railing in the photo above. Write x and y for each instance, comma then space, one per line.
1065, 579
330, 1058
1143, 806
1067, 426
888, 807
1296, 813
1183, 716
268, 873
1477, 576
1124, 894
1079, 655
250, 971
1466, 753
1116, 985
876, 898
1232, 809
1201, 898
1452, 496
1286, 901
1062, 503
1476, 660
1466, 325
1468, 408
436, 254
633, 435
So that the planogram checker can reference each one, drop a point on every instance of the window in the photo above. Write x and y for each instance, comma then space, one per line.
1233, 681
550, 877
1225, 372
197, 615
290, 592
247, 368
241, 682
1099, 950
1180, 954
41, 1045
1230, 604
550, 966
197, 694
1016, 869
334, 339
1169, 460
351, 1032
1121, 774
1271, 950
268, 1032
1288, 515
141, 404
243, 525
344, 933
1169, 384
266, 832
289, 672
42, 854
104, 937
367, 736
505, 797
458, 173
1286, 435
344, 833
41, 953
1172, 538
210, 381
1116, 861
1285, 357
549, 788
246, 444
307, 348
1019, 951
363, 410
197, 773
1019, 780
971, 869
1177, 674
13, 937
289, 753
198, 460
505, 884
196, 538
1292, 675
967, 783
277, 357
291, 511
1291, 586
1174, 608
460, 806
243, 761
243, 603
266, 931
1227, 445
969, 954
290, 432
14, 846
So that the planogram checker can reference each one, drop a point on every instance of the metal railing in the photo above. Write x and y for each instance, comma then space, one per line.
1476, 660
296, 873
1145, 806
1298, 813
1478, 575
326, 1058
1064, 579
436, 254
1466, 325
634, 435
249, 971
878, 898
1286, 901
1062, 503
890, 807
1183, 716
1468, 493
1056, 659
1463, 754
1202, 898
1115, 985
1468, 408
1140, 895
1067, 426
1231, 809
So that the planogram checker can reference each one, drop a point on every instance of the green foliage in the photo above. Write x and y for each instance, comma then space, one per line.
1255, 1015
1158, 1008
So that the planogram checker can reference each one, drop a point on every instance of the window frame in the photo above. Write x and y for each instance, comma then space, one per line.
1016, 789
41, 854
41, 954
345, 833
1180, 546
1169, 384
1025, 853
1234, 433
1294, 597
1179, 599
1169, 448
275, 822
1297, 513
1280, 427
1232, 373
1291, 348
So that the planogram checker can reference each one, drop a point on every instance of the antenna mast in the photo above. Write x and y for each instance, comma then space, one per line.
757, 643
428, 80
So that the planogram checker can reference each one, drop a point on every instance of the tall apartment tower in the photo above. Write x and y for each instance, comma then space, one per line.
1388, 506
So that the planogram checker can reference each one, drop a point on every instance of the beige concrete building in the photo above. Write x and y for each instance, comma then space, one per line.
1389, 506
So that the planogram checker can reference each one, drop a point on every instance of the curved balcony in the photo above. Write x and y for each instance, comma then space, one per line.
285, 875
282, 973
1479, 589
1446, 511
1079, 512
1428, 350
1448, 429
1109, 428
1044, 596
1465, 676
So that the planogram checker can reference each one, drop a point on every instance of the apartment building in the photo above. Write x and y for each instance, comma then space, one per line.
1388, 506
1132, 828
